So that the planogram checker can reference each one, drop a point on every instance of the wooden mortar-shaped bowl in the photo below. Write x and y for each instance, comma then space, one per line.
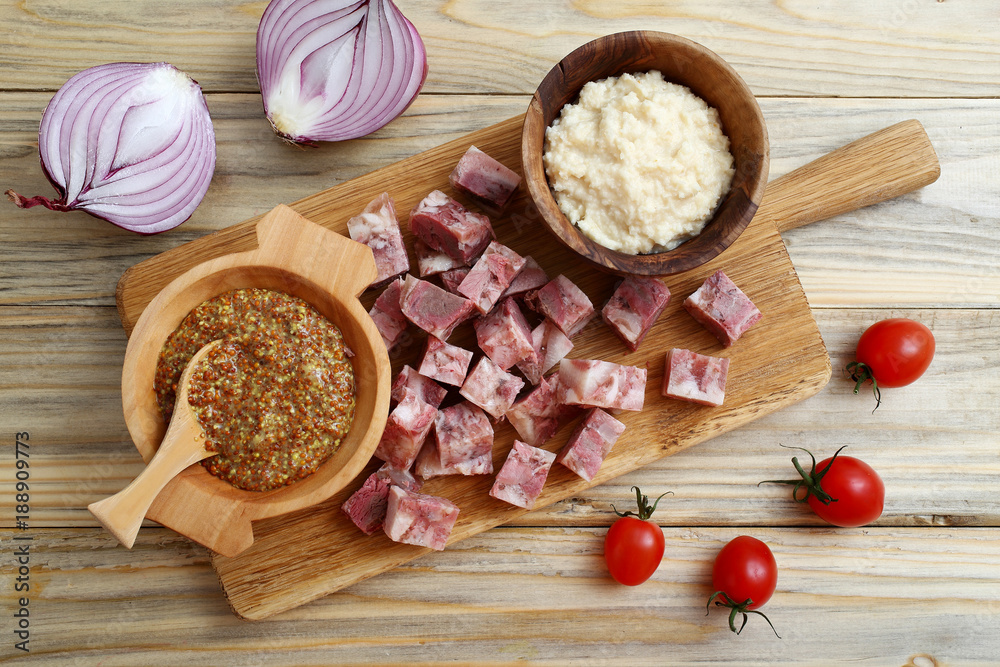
680, 61
300, 258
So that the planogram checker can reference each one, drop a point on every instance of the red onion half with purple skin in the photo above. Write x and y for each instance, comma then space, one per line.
131, 143
331, 70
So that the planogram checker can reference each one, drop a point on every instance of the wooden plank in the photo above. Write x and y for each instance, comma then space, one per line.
906, 252
471, 603
796, 48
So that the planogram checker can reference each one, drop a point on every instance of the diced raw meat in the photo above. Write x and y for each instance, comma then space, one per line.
551, 346
634, 307
504, 336
453, 278
698, 378
590, 443
490, 276
426, 389
722, 308
602, 384
484, 178
464, 439
428, 462
523, 475
378, 229
367, 506
444, 224
420, 519
531, 277
491, 388
536, 416
386, 313
445, 363
562, 302
405, 431
431, 308
432, 262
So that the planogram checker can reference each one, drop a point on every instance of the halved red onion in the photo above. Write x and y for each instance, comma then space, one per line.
131, 143
331, 70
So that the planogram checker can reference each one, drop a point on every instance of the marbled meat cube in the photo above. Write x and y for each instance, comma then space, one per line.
551, 346
694, 377
602, 384
426, 389
405, 431
484, 178
523, 475
590, 443
419, 519
536, 416
444, 362
387, 315
377, 228
431, 308
562, 302
529, 278
453, 278
634, 307
722, 308
367, 506
444, 224
491, 388
490, 276
431, 262
464, 439
504, 336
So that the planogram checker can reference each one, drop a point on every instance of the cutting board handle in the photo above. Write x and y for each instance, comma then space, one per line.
880, 166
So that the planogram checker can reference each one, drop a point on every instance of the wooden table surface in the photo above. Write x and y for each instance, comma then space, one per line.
921, 586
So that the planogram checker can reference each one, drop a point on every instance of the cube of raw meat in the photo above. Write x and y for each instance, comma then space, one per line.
377, 228
428, 462
698, 378
551, 346
419, 519
432, 262
367, 506
444, 224
464, 439
405, 431
523, 475
504, 336
529, 278
602, 384
426, 389
536, 416
491, 388
590, 443
387, 315
490, 276
634, 307
445, 363
431, 308
562, 302
722, 308
453, 278
484, 178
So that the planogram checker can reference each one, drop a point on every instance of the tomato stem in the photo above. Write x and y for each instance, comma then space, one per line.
736, 608
861, 373
811, 481
645, 509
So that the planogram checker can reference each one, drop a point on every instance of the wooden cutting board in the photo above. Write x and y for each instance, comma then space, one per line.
313, 552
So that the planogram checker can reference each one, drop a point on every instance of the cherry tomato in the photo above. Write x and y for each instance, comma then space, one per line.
634, 546
892, 353
744, 576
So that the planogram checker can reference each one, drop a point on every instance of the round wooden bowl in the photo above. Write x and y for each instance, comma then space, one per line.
680, 61
300, 258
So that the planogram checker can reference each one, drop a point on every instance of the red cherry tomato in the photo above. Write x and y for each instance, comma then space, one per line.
856, 491
634, 546
892, 353
745, 570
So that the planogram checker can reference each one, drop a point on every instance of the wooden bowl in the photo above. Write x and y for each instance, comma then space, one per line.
300, 258
683, 62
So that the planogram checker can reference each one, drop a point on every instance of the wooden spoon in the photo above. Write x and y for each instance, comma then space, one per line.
182, 446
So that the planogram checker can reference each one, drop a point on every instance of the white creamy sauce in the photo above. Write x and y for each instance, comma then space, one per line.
638, 164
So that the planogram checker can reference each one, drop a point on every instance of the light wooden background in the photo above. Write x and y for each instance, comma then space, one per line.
919, 587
